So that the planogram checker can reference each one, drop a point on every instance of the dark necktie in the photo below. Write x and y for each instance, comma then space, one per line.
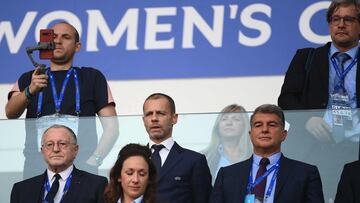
339, 87
259, 189
155, 157
341, 58
53, 190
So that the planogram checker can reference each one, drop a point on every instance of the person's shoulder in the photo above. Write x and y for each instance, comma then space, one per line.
87, 69
189, 152
30, 181
353, 165
90, 73
26, 74
298, 164
236, 168
91, 176
238, 165
308, 49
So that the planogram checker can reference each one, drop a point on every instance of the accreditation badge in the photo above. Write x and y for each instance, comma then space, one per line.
341, 109
250, 198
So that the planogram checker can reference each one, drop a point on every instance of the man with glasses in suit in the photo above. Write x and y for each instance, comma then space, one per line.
62, 181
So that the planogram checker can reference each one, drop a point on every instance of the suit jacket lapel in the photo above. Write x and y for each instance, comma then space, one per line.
244, 178
172, 159
74, 190
357, 90
282, 176
321, 63
38, 189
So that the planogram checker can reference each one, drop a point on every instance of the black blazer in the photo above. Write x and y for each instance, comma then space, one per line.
184, 177
310, 92
85, 188
297, 182
349, 186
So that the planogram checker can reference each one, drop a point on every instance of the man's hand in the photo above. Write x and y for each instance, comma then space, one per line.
19, 100
319, 128
39, 80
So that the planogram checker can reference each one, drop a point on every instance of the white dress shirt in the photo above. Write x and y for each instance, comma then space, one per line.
64, 176
164, 152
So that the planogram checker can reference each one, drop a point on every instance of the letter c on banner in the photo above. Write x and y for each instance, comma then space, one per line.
52, 16
305, 19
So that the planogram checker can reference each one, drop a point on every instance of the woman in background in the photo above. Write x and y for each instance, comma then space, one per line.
133, 177
230, 142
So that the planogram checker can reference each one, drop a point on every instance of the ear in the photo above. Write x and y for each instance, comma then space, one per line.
174, 118
285, 133
77, 46
76, 149
119, 179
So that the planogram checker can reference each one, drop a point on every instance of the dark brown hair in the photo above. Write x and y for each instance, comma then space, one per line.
114, 191
335, 4
269, 109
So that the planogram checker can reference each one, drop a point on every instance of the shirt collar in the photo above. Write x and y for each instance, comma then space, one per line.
137, 200
168, 143
64, 174
273, 158
352, 52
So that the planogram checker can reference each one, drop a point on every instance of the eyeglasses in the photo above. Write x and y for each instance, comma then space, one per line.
348, 20
61, 144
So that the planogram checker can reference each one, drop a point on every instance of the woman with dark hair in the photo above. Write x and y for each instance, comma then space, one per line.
230, 142
133, 177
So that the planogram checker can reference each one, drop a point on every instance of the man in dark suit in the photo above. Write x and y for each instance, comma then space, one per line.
183, 175
314, 80
61, 182
349, 186
313, 75
278, 179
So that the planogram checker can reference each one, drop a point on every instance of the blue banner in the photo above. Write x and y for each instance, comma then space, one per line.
147, 39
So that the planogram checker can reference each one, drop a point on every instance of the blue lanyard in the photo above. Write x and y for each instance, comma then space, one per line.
58, 100
252, 184
343, 74
66, 187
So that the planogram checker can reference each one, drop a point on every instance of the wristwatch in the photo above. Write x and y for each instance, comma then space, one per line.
27, 93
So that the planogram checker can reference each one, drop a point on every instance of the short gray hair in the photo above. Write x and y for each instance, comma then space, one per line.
71, 132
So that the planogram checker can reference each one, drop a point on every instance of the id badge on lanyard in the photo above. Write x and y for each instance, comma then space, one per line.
340, 99
341, 109
44, 122
250, 198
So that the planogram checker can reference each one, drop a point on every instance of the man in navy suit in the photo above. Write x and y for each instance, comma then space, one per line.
61, 182
284, 180
183, 175
349, 186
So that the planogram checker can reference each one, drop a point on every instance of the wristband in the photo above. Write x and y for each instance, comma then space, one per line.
98, 159
27, 93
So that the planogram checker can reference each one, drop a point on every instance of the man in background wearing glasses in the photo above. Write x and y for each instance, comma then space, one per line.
326, 78
61, 182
